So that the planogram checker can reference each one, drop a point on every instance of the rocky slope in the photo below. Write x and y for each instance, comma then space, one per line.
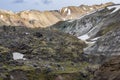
73, 12
36, 53
102, 30
34, 18
107, 45
99, 30
110, 70
50, 54
40, 42
83, 25
90, 24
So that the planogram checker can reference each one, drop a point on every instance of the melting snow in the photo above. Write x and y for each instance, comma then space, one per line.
17, 55
1, 16
94, 39
84, 37
91, 8
84, 8
117, 7
65, 9
90, 42
27, 33
70, 20
69, 12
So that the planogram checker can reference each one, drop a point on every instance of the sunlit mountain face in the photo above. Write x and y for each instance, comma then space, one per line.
59, 40
35, 18
42, 5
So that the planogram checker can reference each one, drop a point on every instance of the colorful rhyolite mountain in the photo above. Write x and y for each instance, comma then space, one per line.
35, 18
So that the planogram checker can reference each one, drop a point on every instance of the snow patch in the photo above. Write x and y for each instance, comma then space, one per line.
117, 7
27, 33
91, 8
70, 20
1, 16
90, 42
69, 12
94, 39
84, 8
17, 55
84, 37
65, 10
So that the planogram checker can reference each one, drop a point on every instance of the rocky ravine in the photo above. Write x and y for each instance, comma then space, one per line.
34, 18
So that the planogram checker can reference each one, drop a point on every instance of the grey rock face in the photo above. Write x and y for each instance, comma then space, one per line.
104, 24
84, 24
107, 44
90, 24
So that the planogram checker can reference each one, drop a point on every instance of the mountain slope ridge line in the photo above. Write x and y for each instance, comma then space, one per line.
43, 19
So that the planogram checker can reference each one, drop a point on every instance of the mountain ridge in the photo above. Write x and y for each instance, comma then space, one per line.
35, 18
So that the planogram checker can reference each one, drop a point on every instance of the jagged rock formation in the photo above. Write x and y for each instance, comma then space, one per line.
34, 18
